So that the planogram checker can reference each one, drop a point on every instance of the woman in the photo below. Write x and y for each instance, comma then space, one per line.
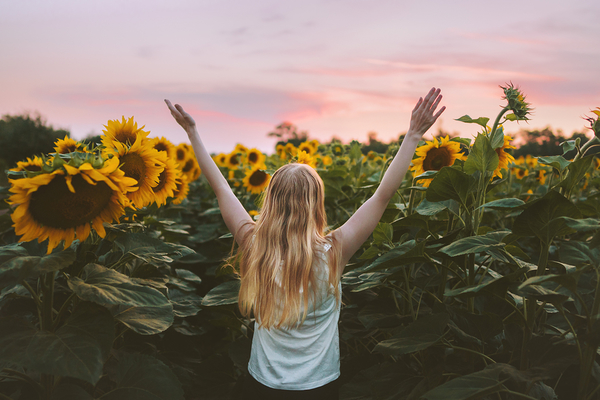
290, 268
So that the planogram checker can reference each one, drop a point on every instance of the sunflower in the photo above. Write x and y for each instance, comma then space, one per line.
234, 159
516, 102
529, 192
124, 132
220, 159
231, 177
531, 161
167, 182
338, 149
241, 148
519, 161
66, 203
182, 153
164, 144
504, 157
541, 177
315, 144
597, 162
255, 157
280, 150
327, 160
520, 173
182, 190
435, 155
68, 145
30, 165
305, 158
307, 147
290, 150
191, 169
256, 180
143, 163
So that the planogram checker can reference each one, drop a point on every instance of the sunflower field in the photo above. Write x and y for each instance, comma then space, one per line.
480, 281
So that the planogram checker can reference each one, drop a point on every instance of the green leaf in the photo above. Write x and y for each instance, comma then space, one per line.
144, 377
477, 385
77, 349
479, 121
557, 162
577, 171
581, 225
430, 208
497, 138
567, 146
419, 335
383, 233
407, 253
482, 157
185, 304
225, 293
476, 244
151, 250
539, 292
69, 391
541, 217
17, 269
141, 308
450, 184
503, 204
567, 280
372, 251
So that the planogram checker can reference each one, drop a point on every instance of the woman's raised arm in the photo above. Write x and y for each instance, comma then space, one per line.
362, 223
233, 212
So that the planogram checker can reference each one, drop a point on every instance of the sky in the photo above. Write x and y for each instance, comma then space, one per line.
333, 68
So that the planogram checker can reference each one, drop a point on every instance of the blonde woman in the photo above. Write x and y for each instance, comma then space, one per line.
290, 268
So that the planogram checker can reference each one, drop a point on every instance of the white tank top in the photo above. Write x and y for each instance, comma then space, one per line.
303, 357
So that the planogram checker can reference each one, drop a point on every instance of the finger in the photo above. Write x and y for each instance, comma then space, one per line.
439, 112
432, 98
428, 96
437, 102
418, 104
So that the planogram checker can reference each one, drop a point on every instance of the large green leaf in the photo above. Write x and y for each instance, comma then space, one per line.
383, 233
577, 171
407, 253
558, 162
502, 204
149, 249
77, 349
141, 308
474, 386
225, 293
141, 377
482, 157
542, 219
476, 244
419, 335
185, 304
450, 184
16, 269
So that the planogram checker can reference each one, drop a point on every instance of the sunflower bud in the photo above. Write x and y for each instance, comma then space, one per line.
516, 102
595, 123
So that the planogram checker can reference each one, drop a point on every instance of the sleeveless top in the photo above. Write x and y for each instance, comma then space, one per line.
305, 356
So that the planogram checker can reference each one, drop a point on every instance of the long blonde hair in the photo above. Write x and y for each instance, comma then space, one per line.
276, 256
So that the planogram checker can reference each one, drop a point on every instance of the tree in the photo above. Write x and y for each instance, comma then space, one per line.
23, 136
288, 132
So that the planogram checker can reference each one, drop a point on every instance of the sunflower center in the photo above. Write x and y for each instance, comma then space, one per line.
160, 146
180, 154
69, 148
134, 167
253, 157
125, 136
54, 205
436, 159
257, 178
188, 166
32, 167
234, 160
162, 180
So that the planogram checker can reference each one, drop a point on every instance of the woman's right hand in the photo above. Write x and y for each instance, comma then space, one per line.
423, 116
184, 119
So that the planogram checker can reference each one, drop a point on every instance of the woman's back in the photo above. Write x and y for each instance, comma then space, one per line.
305, 356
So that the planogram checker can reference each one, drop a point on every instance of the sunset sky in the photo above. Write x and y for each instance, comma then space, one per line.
334, 68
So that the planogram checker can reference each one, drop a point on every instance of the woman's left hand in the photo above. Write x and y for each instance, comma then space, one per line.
184, 119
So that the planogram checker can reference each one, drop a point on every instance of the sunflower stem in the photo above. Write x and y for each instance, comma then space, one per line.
497, 122
593, 141
31, 291
62, 310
